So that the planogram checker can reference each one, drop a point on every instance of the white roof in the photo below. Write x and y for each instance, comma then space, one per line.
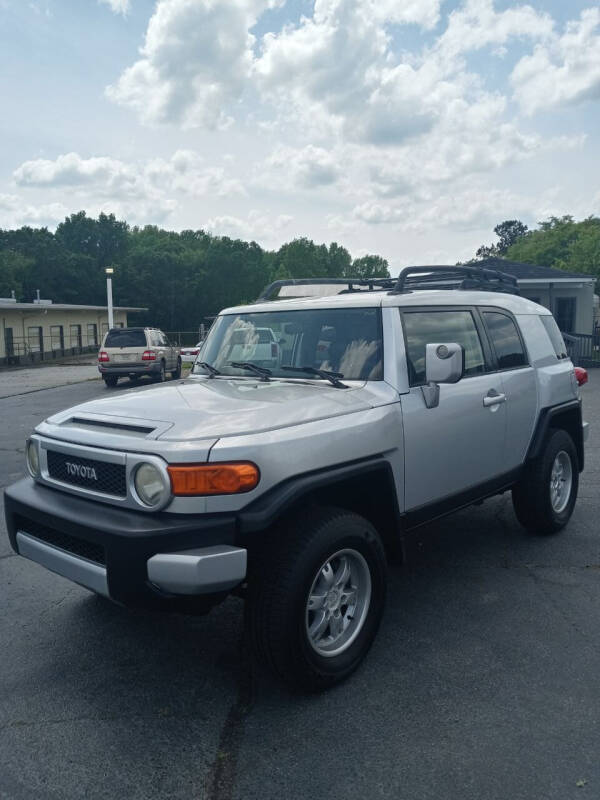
429, 297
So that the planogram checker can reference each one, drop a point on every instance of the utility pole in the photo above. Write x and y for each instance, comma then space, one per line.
109, 271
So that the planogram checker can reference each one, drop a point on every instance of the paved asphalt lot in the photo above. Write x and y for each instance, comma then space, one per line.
484, 682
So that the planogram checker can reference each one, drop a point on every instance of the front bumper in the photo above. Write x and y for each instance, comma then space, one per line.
153, 367
140, 560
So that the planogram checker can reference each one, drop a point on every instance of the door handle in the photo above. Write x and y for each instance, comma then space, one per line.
493, 398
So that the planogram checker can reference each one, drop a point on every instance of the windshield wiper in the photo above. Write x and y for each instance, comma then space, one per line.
212, 371
263, 373
332, 377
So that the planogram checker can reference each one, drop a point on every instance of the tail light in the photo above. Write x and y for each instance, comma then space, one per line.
205, 479
581, 375
148, 355
103, 356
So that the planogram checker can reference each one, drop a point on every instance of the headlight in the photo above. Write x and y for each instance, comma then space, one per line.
150, 485
33, 459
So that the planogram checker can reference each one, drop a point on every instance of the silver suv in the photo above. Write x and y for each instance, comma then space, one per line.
135, 352
387, 403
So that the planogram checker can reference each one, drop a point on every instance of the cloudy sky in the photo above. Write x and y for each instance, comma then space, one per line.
407, 128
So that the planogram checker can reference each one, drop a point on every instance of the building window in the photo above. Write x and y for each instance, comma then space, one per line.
34, 339
564, 313
92, 333
75, 331
57, 337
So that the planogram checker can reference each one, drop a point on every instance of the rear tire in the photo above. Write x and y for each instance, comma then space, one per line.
176, 374
111, 381
545, 496
162, 375
316, 593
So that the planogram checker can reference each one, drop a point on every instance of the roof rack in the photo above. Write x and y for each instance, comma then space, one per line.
455, 277
410, 279
350, 284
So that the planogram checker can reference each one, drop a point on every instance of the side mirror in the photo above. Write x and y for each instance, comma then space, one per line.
444, 363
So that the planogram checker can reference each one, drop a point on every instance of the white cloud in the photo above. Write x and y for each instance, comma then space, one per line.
257, 226
565, 70
17, 212
136, 191
118, 6
194, 63
476, 24
309, 167
185, 171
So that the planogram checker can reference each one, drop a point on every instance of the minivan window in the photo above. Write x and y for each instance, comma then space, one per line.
125, 338
553, 331
505, 340
431, 327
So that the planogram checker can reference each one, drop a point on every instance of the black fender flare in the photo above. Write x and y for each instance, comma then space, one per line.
570, 412
266, 509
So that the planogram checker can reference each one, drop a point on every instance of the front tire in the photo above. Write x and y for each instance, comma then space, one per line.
315, 597
545, 496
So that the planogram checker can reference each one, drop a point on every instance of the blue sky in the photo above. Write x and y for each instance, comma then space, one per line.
407, 128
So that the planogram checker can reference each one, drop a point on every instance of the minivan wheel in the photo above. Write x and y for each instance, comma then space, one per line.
316, 593
545, 496
176, 374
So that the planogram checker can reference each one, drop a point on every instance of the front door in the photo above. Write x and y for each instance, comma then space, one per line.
458, 445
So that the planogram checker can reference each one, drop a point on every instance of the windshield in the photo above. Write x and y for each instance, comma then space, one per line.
344, 340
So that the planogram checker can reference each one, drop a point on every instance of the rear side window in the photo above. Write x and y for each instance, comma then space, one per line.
125, 338
430, 327
553, 331
505, 340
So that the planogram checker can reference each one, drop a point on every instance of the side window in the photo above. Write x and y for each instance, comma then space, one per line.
505, 340
553, 331
428, 327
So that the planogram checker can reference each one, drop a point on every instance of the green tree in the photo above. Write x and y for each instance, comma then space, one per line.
369, 266
508, 232
13, 270
563, 243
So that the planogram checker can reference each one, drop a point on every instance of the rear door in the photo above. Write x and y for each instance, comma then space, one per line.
518, 380
170, 351
458, 446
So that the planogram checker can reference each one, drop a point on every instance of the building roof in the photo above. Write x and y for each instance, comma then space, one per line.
525, 272
10, 306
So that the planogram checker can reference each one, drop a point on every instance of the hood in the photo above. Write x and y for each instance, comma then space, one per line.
209, 409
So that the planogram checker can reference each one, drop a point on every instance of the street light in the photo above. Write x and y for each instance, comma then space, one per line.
109, 271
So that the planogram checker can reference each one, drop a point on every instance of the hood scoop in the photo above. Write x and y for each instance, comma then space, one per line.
126, 429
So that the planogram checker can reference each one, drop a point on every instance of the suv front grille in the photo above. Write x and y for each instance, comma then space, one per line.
97, 476
77, 547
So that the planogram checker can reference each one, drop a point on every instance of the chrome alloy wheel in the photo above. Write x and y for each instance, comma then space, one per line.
338, 602
561, 481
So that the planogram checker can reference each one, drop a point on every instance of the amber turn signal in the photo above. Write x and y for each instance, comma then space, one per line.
203, 479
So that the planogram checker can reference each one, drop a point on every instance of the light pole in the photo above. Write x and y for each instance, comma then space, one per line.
109, 271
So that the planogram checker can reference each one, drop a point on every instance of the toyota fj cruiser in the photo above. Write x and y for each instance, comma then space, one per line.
387, 403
